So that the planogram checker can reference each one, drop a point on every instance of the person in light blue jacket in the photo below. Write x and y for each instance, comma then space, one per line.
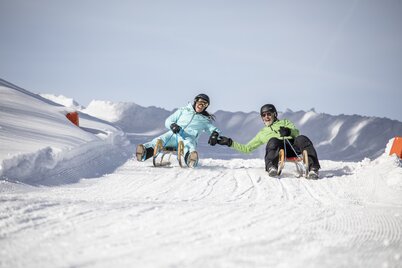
186, 124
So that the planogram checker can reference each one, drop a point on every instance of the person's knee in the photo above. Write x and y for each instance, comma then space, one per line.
273, 144
302, 141
190, 147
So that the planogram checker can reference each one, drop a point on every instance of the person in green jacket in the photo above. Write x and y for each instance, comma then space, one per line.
272, 134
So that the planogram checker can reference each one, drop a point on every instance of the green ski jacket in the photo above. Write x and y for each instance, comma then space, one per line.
265, 134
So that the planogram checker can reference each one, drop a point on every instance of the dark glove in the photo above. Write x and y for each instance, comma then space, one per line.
225, 141
284, 131
213, 139
175, 128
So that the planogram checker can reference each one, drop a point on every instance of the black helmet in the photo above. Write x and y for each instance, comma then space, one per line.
268, 108
202, 96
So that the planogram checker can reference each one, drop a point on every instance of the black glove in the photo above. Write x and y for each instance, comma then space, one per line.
175, 128
213, 138
284, 131
225, 141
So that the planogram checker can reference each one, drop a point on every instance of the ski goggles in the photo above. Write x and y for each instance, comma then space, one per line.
269, 114
202, 102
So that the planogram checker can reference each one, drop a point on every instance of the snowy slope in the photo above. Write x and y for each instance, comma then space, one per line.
37, 140
74, 197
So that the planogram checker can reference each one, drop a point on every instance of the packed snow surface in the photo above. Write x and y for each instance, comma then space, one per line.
226, 213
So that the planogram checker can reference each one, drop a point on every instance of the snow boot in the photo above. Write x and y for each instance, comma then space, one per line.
272, 171
192, 159
140, 152
313, 174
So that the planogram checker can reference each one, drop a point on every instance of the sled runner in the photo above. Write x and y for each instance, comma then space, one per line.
300, 160
160, 152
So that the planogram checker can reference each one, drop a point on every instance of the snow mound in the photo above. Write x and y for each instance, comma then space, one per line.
130, 117
39, 143
107, 110
62, 100
391, 163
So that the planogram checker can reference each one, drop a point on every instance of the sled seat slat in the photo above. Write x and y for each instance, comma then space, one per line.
293, 159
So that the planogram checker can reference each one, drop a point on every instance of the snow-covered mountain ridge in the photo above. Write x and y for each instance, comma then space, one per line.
336, 137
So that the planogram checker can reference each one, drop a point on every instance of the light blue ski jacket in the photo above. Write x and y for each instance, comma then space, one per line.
192, 125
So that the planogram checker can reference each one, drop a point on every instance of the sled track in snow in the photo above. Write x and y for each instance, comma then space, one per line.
380, 226
384, 228
215, 215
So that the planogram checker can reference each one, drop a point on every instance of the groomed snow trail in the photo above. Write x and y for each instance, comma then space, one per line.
222, 214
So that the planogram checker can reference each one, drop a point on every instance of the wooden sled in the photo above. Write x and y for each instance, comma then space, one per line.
301, 163
162, 155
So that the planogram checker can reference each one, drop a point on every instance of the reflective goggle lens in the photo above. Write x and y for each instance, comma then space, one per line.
203, 103
266, 114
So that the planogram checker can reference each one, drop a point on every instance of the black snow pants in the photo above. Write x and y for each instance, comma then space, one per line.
300, 144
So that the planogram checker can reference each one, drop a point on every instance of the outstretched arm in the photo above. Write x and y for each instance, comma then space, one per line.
243, 148
249, 147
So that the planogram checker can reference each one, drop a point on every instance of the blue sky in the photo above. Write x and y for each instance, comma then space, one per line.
339, 57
